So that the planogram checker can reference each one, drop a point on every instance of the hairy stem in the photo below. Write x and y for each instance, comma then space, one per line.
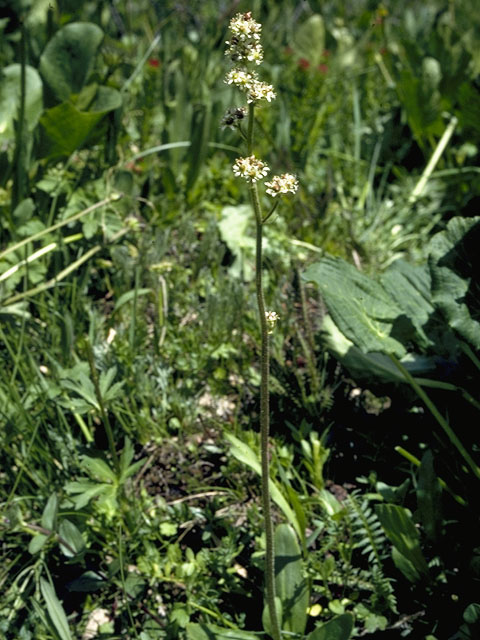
264, 403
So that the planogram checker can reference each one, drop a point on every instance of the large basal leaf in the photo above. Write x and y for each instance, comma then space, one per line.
10, 83
454, 262
289, 580
409, 286
402, 533
67, 59
371, 366
360, 307
66, 128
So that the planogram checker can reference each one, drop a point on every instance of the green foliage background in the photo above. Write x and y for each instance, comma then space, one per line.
128, 332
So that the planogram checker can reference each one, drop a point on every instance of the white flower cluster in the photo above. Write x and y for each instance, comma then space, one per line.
282, 184
251, 85
244, 43
244, 47
260, 91
240, 78
250, 168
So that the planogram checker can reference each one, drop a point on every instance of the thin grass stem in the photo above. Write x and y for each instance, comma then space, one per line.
438, 416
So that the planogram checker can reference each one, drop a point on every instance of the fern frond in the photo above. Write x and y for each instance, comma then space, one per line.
371, 540
383, 596
367, 530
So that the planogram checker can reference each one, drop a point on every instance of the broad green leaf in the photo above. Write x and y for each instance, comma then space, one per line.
402, 533
10, 99
243, 453
371, 365
393, 494
67, 59
266, 622
329, 502
409, 286
405, 565
289, 579
360, 307
213, 632
84, 492
99, 468
88, 582
469, 102
375, 622
37, 542
66, 128
134, 586
23, 214
55, 610
49, 515
454, 262
421, 100
72, 536
471, 615
106, 99
338, 628
295, 502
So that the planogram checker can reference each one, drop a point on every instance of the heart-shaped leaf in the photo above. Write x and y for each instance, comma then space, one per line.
67, 59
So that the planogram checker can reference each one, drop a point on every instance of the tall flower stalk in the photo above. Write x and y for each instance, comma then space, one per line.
245, 51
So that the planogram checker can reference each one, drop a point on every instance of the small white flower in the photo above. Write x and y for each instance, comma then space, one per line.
272, 318
282, 184
244, 26
255, 53
260, 91
240, 78
251, 51
250, 168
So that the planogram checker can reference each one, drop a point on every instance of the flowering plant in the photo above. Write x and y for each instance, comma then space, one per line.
245, 51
